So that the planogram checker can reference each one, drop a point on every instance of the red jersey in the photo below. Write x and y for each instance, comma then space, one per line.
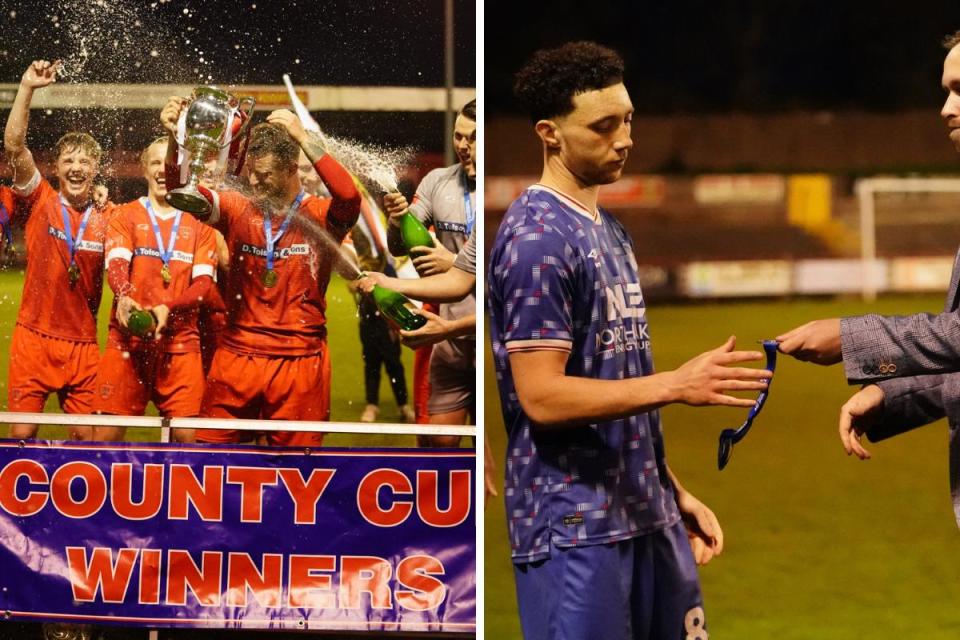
288, 318
51, 304
131, 238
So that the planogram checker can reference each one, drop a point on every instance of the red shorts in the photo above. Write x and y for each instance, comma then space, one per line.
267, 388
421, 383
127, 381
41, 365
211, 324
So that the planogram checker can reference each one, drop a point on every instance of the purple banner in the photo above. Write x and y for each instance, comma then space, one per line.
238, 537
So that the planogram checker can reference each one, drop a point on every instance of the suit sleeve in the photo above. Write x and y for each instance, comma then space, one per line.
913, 402
879, 347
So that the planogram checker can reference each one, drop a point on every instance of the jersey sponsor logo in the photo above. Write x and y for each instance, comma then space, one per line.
83, 245
278, 254
150, 252
625, 302
627, 330
456, 227
622, 338
87, 245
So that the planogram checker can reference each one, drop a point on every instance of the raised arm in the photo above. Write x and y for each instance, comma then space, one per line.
169, 116
39, 74
345, 208
449, 286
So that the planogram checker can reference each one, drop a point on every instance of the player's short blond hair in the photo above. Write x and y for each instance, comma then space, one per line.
267, 138
146, 150
78, 140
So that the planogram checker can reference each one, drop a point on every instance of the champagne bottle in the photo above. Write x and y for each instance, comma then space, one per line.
141, 323
396, 308
413, 233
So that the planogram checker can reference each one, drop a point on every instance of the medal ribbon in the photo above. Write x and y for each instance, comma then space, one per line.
268, 229
468, 209
5, 223
68, 229
165, 252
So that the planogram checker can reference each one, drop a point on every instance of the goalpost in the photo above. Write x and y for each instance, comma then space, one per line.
867, 191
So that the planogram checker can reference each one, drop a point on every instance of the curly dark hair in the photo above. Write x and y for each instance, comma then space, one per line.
267, 138
952, 40
546, 85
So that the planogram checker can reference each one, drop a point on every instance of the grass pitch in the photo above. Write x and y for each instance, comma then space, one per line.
348, 397
818, 545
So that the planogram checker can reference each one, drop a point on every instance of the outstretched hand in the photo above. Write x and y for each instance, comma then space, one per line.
817, 342
706, 379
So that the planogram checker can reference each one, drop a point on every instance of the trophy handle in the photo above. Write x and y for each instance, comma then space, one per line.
248, 113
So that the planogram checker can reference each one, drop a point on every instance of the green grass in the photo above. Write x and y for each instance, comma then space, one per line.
818, 545
348, 398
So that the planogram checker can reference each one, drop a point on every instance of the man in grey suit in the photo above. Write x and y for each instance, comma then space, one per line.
911, 362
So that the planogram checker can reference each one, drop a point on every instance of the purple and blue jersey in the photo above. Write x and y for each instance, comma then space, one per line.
560, 280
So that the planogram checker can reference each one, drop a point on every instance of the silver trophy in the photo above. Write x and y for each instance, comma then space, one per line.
207, 132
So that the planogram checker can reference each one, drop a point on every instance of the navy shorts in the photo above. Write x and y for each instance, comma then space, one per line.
641, 588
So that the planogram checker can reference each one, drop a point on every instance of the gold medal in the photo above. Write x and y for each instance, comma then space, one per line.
73, 273
165, 274
269, 278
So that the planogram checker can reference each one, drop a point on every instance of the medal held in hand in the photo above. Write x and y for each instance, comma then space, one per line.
730, 437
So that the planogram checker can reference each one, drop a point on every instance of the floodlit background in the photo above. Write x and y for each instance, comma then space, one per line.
754, 197
383, 78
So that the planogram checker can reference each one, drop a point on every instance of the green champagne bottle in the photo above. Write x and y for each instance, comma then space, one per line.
396, 308
141, 323
413, 233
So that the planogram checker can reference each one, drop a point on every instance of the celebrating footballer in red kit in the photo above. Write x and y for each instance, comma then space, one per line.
272, 361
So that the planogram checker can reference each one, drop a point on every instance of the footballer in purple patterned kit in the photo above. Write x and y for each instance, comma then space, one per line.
604, 539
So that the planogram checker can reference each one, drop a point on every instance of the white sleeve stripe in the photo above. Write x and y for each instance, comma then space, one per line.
539, 345
119, 253
24, 190
202, 270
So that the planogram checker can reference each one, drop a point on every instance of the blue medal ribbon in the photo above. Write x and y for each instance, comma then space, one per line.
165, 251
68, 230
268, 229
5, 224
469, 215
